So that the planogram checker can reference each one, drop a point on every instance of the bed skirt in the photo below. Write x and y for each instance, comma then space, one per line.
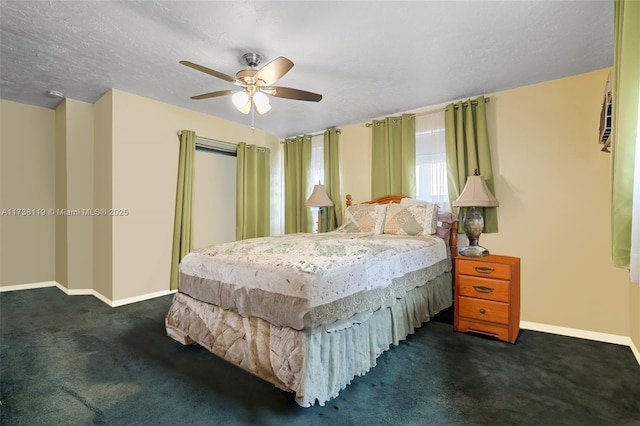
314, 364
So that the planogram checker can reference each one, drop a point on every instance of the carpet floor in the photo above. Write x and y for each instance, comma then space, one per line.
72, 360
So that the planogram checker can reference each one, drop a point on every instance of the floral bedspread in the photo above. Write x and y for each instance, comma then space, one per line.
316, 268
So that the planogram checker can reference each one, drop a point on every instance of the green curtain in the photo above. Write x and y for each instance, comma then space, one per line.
467, 149
332, 177
626, 69
183, 220
253, 187
297, 184
393, 157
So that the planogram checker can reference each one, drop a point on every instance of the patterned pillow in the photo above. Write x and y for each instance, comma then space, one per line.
363, 218
414, 201
415, 219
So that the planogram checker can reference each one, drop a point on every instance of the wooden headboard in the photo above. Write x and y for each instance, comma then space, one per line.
387, 199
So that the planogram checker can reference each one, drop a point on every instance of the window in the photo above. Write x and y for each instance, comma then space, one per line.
431, 164
317, 159
317, 170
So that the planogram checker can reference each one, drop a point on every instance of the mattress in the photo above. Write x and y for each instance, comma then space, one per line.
304, 281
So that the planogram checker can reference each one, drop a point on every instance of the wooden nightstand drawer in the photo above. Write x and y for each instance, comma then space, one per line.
499, 331
485, 310
483, 288
485, 269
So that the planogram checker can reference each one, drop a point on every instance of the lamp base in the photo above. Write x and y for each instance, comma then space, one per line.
473, 251
473, 224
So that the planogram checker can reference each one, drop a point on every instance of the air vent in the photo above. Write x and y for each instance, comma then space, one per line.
218, 146
605, 117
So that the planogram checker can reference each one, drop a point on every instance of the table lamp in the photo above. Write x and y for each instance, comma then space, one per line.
475, 194
319, 198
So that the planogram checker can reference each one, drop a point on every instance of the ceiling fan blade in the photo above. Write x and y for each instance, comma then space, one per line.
274, 71
209, 71
297, 94
212, 94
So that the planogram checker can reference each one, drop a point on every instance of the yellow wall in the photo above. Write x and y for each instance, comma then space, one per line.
120, 154
27, 181
355, 162
61, 194
74, 193
550, 170
102, 189
144, 172
553, 184
79, 147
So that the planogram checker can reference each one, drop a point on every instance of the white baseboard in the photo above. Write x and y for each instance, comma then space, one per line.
87, 292
135, 299
583, 334
30, 286
635, 351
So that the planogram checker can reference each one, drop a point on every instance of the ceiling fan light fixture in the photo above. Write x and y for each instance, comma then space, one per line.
240, 99
261, 102
246, 107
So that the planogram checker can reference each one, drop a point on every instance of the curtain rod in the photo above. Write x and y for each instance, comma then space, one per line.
464, 104
311, 134
179, 132
216, 145
223, 147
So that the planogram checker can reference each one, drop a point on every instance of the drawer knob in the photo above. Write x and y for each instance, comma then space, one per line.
482, 289
482, 311
483, 269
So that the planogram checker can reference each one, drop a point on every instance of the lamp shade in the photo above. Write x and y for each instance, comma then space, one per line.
476, 194
318, 197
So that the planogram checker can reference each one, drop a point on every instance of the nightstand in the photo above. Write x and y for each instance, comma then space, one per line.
487, 296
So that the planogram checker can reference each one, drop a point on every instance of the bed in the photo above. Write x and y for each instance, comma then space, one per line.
310, 312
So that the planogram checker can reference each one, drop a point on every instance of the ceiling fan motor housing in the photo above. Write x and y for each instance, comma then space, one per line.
252, 59
246, 76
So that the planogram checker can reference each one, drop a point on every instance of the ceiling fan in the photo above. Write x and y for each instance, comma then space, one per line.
257, 84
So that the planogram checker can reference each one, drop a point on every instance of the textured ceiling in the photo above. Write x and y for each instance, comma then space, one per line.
367, 59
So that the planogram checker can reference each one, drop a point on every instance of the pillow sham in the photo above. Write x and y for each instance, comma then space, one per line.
411, 219
408, 201
414, 201
363, 218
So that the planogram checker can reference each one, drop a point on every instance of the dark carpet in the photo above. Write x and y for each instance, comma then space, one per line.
72, 360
